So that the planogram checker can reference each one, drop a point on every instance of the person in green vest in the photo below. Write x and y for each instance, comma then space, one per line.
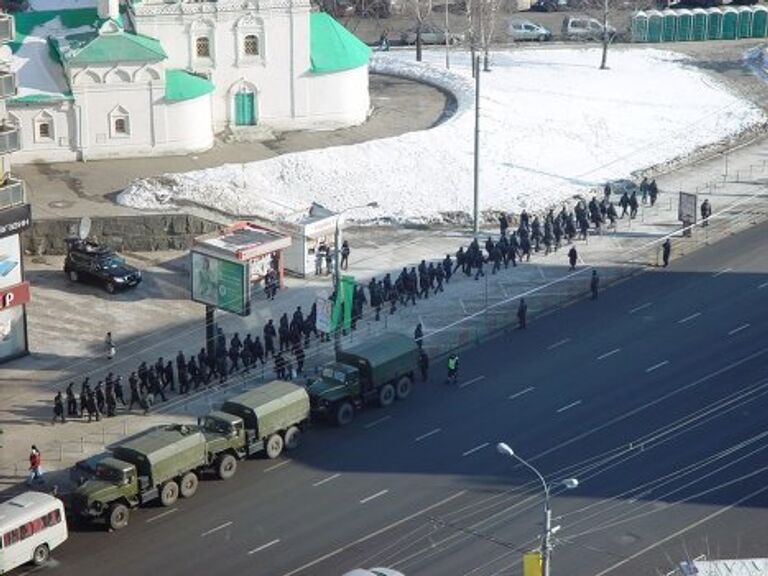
453, 368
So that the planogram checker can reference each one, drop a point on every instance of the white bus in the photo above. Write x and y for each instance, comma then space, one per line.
31, 525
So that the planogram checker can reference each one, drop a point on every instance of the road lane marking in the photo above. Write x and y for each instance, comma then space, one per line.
373, 496
212, 530
689, 318
763, 285
641, 307
377, 422
724, 271
568, 406
739, 329
326, 480
557, 344
607, 354
278, 465
468, 382
264, 546
516, 394
657, 366
464, 308
378, 532
161, 515
428, 434
475, 449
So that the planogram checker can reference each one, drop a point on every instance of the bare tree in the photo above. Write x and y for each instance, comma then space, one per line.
482, 16
614, 15
419, 10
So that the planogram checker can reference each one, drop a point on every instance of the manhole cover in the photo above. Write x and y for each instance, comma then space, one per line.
60, 204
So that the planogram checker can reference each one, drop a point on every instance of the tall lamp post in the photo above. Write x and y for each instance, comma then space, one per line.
569, 483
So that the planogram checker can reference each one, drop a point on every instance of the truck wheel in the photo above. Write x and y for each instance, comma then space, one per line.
345, 413
118, 516
41, 555
292, 438
169, 493
386, 395
403, 388
274, 446
227, 467
188, 485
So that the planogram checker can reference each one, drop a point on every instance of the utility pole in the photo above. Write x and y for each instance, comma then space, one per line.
476, 221
546, 546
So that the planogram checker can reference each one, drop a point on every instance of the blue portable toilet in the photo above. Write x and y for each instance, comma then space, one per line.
730, 24
669, 28
759, 21
640, 27
699, 30
684, 29
655, 26
744, 29
714, 24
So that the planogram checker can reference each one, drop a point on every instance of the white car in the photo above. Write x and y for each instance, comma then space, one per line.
374, 572
526, 30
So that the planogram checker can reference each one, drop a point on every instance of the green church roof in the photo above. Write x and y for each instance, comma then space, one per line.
182, 85
95, 48
332, 47
25, 22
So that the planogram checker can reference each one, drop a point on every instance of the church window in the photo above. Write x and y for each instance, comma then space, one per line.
203, 47
121, 126
43, 127
44, 130
251, 45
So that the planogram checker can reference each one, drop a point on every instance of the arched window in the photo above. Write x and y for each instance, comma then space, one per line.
251, 45
121, 126
203, 47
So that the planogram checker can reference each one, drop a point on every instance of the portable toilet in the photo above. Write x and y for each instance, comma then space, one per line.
730, 24
684, 29
699, 29
669, 26
640, 27
714, 24
744, 29
759, 21
655, 26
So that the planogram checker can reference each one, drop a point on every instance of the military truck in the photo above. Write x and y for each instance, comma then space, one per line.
378, 370
265, 419
161, 462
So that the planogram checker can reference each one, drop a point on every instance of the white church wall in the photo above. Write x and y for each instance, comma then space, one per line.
338, 99
189, 125
52, 145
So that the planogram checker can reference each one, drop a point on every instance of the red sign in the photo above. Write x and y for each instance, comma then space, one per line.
14, 296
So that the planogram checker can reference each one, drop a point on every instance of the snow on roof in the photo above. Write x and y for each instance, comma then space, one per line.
39, 5
110, 44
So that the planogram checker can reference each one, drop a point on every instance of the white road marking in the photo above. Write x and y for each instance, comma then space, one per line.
739, 329
468, 382
542, 273
607, 354
560, 343
689, 318
724, 271
568, 406
763, 285
212, 530
161, 515
464, 308
428, 434
326, 480
641, 307
475, 449
278, 465
516, 394
657, 366
377, 422
372, 496
264, 546
372, 535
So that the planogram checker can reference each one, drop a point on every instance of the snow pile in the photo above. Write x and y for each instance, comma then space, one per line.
41, 5
552, 126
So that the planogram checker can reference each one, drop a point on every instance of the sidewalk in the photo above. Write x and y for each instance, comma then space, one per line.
66, 329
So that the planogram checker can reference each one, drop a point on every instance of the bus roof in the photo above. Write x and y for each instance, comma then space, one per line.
27, 506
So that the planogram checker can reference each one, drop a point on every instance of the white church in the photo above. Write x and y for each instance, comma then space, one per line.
158, 77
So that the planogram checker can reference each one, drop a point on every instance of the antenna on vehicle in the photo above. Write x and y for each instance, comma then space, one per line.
84, 228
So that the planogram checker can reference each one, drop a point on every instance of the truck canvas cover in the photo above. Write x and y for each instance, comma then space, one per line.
382, 358
271, 407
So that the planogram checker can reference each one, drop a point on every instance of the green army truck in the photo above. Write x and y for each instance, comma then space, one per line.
378, 370
266, 419
162, 463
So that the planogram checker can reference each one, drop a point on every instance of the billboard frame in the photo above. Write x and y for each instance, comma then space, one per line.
241, 308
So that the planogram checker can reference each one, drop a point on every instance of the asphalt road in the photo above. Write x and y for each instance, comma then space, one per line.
654, 397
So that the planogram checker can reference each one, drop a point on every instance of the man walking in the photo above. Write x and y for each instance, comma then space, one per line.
58, 408
71, 401
418, 335
666, 249
453, 368
594, 284
573, 257
423, 365
35, 466
522, 313
706, 212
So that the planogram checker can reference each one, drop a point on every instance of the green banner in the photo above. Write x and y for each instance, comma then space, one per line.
343, 304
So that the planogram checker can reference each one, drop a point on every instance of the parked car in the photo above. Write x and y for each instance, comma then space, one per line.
90, 262
549, 5
584, 28
430, 34
526, 30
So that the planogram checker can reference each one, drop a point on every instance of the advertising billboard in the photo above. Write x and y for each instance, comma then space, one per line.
13, 333
222, 283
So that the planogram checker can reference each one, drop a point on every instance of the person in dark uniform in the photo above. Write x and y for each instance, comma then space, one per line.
453, 368
119, 390
58, 408
344, 255
169, 379
666, 250
269, 339
418, 335
71, 401
522, 314
573, 257
594, 284
133, 386
423, 365
706, 212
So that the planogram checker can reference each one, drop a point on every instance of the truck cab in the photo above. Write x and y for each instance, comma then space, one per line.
336, 382
113, 481
224, 432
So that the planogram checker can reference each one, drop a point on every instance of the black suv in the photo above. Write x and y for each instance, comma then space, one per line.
87, 261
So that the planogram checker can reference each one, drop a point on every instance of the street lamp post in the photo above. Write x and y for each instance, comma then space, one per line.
546, 539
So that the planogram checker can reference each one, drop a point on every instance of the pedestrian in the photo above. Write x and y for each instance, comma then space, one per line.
644, 189
706, 212
269, 339
503, 224
384, 41
110, 344
573, 257
119, 390
35, 466
320, 258
101, 400
92, 407
85, 388
653, 191
423, 365
344, 255
522, 314
169, 379
418, 335
111, 400
594, 284
133, 386
633, 205
453, 368
624, 204
71, 401
155, 387
666, 249
58, 408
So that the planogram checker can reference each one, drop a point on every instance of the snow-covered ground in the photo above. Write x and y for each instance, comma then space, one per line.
552, 126
41, 5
